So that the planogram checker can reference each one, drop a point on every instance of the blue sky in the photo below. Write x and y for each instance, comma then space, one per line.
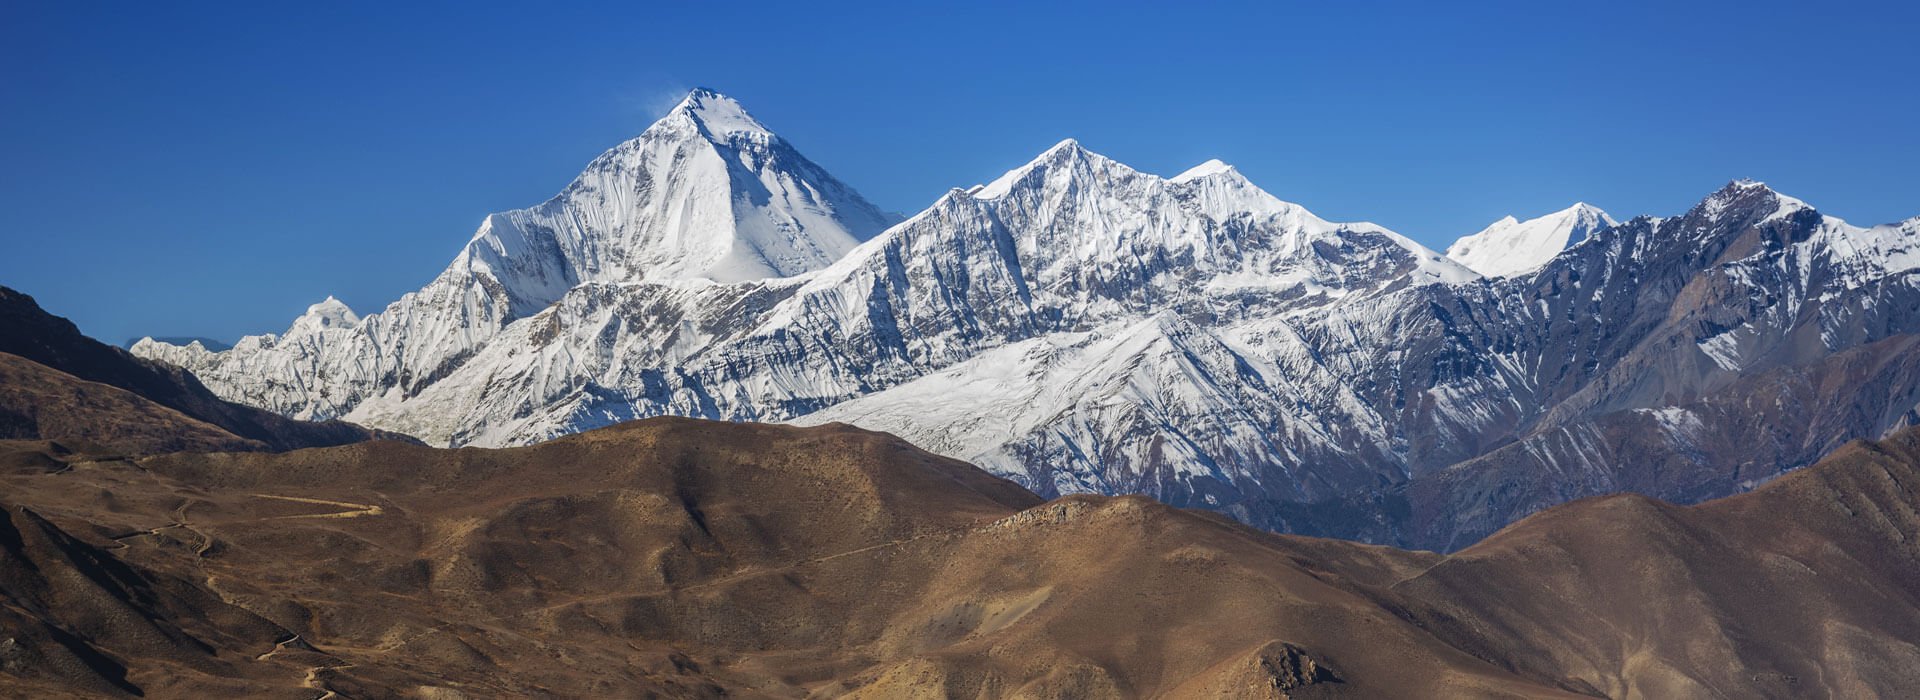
198, 169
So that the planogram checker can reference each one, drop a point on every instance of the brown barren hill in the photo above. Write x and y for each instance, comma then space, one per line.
37, 401
1807, 587
29, 332
683, 558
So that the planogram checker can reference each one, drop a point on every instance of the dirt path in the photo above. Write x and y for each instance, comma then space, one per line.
354, 510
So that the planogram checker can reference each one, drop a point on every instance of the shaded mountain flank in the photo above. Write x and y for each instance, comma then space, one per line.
675, 557
52, 371
1686, 358
37, 401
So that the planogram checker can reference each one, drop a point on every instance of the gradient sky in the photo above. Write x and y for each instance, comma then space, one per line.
194, 169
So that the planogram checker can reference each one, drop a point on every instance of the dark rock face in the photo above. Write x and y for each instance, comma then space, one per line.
31, 333
1685, 358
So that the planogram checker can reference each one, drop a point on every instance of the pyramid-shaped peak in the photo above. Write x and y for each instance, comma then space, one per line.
1745, 189
705, 193
1511, 246
1065, 145
1744, 197
1067, 152
1742, 188
720, 115
1212, 167
1585, 212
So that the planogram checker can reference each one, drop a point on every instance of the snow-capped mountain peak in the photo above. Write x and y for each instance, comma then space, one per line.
1510, 246
1211, 167
707, 192
329, 313
1062, 154
723, 117
1070, 170
1584, 212
1849, 255
1222, 191
1746, 196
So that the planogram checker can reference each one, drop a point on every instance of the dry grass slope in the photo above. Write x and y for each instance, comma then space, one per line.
683, 558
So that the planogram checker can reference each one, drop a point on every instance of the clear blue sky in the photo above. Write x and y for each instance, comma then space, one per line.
191, 169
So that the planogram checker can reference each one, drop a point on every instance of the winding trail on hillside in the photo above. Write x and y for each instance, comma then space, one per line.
353, 510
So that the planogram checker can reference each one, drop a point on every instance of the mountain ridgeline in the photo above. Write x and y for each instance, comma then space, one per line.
1078, 326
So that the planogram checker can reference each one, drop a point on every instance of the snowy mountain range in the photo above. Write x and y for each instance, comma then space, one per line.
1078, 325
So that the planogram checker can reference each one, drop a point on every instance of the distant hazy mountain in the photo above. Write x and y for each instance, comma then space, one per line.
1080, 326
208, 343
